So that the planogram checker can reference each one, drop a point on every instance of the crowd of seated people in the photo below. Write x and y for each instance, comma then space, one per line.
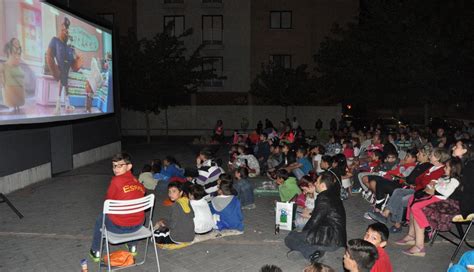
414, 178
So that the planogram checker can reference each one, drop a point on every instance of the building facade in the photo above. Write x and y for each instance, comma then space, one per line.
223, 26
240, 35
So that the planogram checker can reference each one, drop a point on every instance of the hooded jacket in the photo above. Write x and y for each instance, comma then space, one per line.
327, 225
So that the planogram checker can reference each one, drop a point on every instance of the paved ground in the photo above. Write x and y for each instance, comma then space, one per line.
60, 212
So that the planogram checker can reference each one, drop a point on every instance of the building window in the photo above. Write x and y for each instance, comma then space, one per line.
217, 65
212, 28
280, 19
176, 27
283, 61
174, 1
211, 1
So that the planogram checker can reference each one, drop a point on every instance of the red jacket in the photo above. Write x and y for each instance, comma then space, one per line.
422, 180
126, 187
383, 263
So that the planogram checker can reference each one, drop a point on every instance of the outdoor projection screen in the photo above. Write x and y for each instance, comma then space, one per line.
54, 66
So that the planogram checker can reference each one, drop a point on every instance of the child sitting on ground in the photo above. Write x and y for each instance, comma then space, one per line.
303, 213
247, 160
317, 153
377, 234
146, 178
178, 227
244, 189
302, 166
225, 207
203, 221
170, 169
326, 163
287, 186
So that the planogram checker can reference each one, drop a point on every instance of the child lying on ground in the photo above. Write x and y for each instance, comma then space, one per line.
178, 227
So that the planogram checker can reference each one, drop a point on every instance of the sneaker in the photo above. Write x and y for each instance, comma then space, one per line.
95, 255
378, 217
356, 191
367, 216
316, 256
367, 195
132, 249
394, 229
249, 207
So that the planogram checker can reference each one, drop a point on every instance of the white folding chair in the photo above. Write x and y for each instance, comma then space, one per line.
124, 207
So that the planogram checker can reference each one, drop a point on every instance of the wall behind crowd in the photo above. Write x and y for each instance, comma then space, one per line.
36, 152
200, 120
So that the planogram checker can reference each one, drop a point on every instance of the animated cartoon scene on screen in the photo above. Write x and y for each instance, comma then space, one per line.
52, 64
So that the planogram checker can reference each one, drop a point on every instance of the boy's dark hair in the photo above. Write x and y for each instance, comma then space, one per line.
146, 168
378, 153
122, 156
264, 135
172, 160
176, 185
302, 149
321, 148
227, 187
198, 191
225, 177
392, 152
363, 253
380, 229
156, 166
328, 179
412, 152
283, 174
270, 268
327, 158
206, 153
244, 172
319, 267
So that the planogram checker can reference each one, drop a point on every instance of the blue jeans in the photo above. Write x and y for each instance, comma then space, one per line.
398, 203
244, 192
297, 241
112, 228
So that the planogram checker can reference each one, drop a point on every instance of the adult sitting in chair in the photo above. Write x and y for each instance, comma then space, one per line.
326, 229
124, 186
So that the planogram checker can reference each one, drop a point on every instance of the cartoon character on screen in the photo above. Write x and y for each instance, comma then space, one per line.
61, 57
12, 77
93, 83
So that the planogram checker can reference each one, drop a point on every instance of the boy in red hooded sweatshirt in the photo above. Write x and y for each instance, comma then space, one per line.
123, 186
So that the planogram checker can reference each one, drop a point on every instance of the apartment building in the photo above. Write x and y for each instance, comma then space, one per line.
239, 34
223, 26
289, 33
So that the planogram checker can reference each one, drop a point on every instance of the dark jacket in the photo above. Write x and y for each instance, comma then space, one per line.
327, 225
467, 182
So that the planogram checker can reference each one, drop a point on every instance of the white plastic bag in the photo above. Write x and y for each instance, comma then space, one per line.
284, 215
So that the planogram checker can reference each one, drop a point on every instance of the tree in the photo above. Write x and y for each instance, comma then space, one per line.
157, 73
400, 53
276, 85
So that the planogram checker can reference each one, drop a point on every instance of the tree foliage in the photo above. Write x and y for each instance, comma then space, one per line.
276, 85
158, 72
401, 52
